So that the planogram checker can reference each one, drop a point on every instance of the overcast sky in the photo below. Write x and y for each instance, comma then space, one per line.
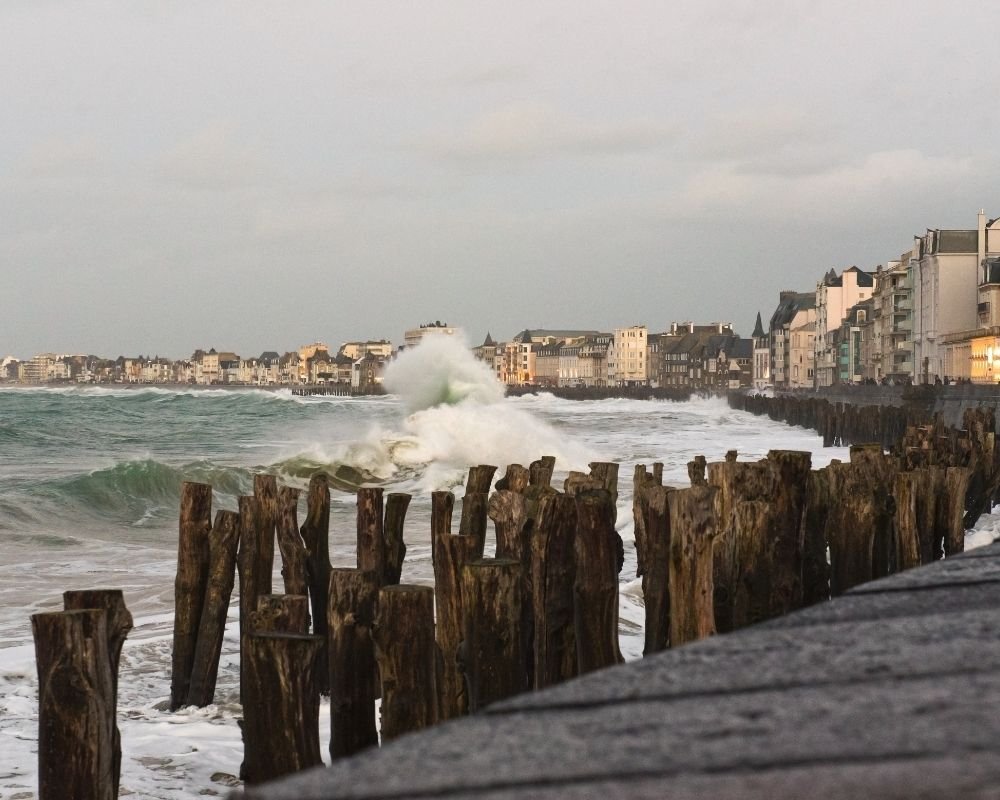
256, 176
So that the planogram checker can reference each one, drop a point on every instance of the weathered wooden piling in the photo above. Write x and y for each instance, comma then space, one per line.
280, 613
118, 624
859, 520
247, 563
407, 658
315, 533
281, 724
222, 544
396, 504
371, 539
758, 554
449, 554
76, 705
294, 555
475, 505
491, 657
540, 471
606, 473
596, 587
696, 471
351, 614
515, 479
509, 512
553, 577
189, 585
265, 489
693, 527
656, 567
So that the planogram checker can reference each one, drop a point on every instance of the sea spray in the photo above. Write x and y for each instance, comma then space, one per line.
441, 370
458, 417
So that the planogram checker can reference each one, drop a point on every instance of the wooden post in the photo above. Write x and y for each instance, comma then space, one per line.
265, 489
492, 662
859, 518
475, 504
540, 472
294, 556
553, 575
693, 526
189, 586
351, 614
371, 540
281, 725
407, 658
641, 481
516, 479
248, 563
396, 504
656, 568
607, 473
76, 708
118, 623
222, 544
696, 471
577, 482
509, 512
952, 519
449, 554
815, 566
480, 479
907, 489
280, 613
316, 536
789, 471
596, 589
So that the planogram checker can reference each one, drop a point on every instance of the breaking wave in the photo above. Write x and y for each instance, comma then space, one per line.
458, 417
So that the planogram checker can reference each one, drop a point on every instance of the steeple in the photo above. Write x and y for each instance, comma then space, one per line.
489, 341
758, 330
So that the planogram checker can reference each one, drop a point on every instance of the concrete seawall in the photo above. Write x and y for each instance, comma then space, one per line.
950, 401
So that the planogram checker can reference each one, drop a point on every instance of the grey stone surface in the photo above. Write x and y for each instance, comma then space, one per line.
891, 693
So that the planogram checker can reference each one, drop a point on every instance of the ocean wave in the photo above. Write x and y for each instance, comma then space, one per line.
137, 488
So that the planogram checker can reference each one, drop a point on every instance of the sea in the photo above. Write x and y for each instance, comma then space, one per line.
90, 481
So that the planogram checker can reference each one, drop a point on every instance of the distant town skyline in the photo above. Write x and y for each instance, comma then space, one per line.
175, 176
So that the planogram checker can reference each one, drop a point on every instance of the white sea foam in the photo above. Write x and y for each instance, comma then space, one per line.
458, 417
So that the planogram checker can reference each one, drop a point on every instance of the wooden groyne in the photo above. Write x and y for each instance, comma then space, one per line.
918, 441
745, 542
677, 393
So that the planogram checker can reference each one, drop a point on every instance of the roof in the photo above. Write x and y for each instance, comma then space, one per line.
488, 341
742, 348
546, 333
758, 329
791, 303
957, 241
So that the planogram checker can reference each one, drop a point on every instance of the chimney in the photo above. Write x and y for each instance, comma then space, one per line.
981, 227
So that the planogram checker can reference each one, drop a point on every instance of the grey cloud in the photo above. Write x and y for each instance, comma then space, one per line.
212, 158
529, 131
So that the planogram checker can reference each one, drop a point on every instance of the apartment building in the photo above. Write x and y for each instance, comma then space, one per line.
627, 363
835, 294
796, 311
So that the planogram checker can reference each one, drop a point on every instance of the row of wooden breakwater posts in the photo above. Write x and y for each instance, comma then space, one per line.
746, 541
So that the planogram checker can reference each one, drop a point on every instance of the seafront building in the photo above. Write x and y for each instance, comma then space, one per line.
928, 315
835, 295
414, 336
